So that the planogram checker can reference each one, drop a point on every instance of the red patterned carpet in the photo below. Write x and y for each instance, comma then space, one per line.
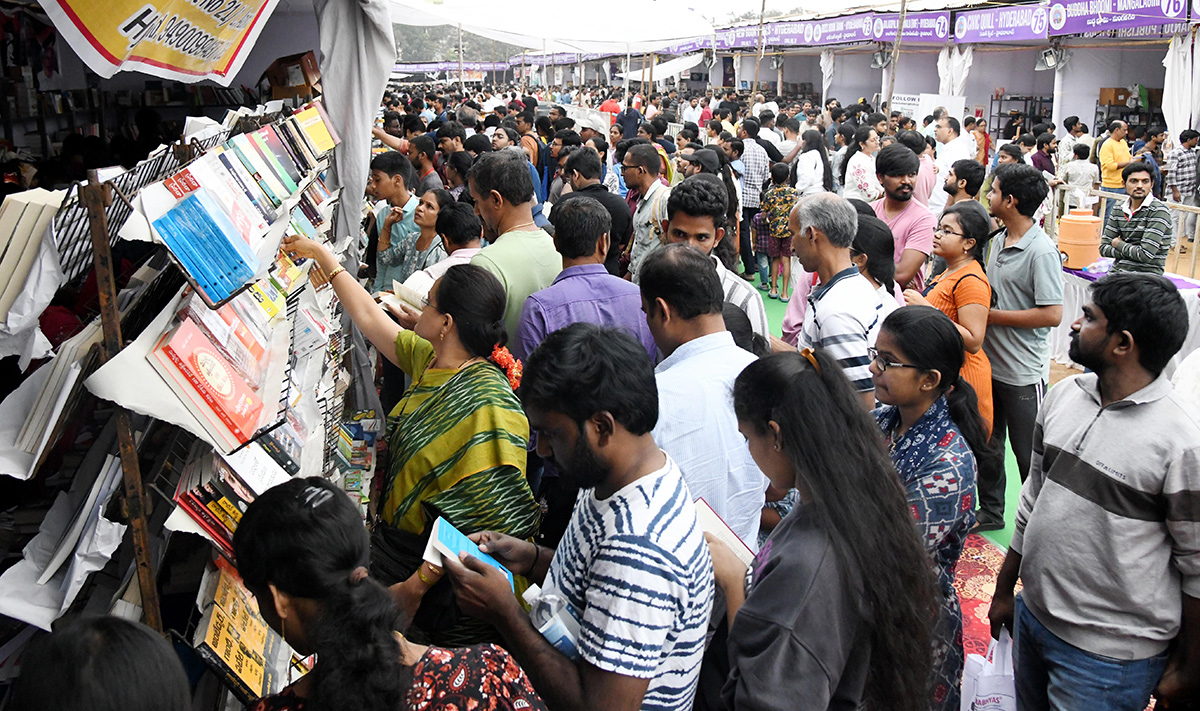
975, 580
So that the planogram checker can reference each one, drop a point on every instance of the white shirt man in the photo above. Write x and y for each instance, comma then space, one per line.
951, 148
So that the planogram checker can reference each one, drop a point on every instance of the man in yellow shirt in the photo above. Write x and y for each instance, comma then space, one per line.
1114, 156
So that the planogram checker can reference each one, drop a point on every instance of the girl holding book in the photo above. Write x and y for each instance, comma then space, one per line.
456, 440
302, 550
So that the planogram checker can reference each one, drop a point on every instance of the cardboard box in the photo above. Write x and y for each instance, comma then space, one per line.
1114, 96
294, 75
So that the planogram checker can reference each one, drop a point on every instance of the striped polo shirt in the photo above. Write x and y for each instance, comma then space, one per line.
843, 317
636, 568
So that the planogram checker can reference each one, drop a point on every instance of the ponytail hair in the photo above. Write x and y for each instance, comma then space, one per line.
851, 490
930, 340
307, 539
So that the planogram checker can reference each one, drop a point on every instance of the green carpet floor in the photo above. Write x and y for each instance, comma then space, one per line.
775, 311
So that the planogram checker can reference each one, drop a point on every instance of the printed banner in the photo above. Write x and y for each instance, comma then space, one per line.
918, 27
1002, 24
432, 67
184, 40
1073, 17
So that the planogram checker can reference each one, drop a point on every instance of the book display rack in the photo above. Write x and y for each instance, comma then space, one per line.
221, 368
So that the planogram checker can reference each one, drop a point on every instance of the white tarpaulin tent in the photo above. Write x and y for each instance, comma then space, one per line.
663, 70
646, 27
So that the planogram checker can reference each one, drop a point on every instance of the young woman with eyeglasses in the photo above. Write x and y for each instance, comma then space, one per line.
933, 433
962, 292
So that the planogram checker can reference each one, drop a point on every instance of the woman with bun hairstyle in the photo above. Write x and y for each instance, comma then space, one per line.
302, 550
931, 424
456, 441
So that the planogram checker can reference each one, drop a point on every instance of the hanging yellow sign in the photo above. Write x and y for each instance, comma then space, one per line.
185, 40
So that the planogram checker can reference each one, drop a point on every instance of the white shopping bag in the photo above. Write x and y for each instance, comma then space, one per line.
988, 682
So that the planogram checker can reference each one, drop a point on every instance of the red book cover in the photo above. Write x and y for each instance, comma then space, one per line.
206, 369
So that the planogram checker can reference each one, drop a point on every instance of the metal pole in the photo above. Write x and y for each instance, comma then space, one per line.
97, 196
896, 52
762, 11
461, 87
651, 79
628, 70
524, 83
642, 77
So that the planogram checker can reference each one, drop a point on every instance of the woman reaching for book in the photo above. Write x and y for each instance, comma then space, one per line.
302, 550
456, 440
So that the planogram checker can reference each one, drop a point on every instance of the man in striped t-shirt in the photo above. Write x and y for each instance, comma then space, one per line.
633, 563
843, 312
1138, 236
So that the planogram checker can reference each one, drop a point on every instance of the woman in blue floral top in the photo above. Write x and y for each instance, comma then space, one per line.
933, 432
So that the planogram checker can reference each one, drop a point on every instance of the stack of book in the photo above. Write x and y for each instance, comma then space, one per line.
226, 201
201, 375
24, 218
61, 386
214, 491
234, 640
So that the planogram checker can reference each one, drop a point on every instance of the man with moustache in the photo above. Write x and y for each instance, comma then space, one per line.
910, 222
633, 563
1138, 236
1106, 535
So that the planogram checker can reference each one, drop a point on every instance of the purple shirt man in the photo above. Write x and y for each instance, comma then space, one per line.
582, 293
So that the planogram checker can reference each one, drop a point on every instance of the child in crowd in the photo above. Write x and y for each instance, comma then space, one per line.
774, 235
1080, 175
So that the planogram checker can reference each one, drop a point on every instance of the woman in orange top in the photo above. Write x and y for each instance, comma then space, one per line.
962, 292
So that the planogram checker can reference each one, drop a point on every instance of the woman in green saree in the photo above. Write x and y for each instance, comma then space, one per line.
456, 440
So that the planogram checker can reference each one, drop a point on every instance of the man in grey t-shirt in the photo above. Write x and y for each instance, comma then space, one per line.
1025, 273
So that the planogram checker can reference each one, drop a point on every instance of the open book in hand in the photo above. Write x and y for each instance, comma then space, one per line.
446, 540
712, 523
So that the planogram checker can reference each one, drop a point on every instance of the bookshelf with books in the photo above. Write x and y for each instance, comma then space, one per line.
232, 376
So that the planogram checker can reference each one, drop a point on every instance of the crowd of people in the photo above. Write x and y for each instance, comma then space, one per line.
625, 265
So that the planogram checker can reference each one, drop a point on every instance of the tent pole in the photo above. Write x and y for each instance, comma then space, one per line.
524, 83
896, 53
494, 62
461, 86
762, 11
628, 69
651, 79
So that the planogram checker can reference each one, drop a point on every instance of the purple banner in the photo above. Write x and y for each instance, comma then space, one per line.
918, 27
1073, 17
430, 67
1002, 24
839, 30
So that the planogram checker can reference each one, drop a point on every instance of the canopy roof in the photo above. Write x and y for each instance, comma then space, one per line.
649, 25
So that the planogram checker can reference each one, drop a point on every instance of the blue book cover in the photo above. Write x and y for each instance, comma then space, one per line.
446, 540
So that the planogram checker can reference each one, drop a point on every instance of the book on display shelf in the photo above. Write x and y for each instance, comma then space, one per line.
252, 161
315, 125
215, 491
208, 171
24, 217
277, 158
235, 641
207, 245
203, 378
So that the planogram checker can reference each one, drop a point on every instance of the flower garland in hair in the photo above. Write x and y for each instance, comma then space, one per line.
511, 366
